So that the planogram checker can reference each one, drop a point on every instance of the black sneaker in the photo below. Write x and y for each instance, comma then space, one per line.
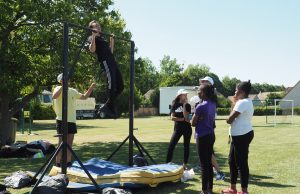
109, 109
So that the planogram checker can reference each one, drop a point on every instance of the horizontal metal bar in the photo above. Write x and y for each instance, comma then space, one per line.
103, 33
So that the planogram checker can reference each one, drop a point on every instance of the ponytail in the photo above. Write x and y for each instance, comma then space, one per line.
245, 86
209, 92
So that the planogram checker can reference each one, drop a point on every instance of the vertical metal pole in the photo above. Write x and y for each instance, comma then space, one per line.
65, 98
275, 112
292, 111
22, 120
131, 105
267, 112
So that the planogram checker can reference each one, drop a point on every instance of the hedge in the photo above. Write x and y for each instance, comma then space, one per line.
46, 112
260, 111
42, 112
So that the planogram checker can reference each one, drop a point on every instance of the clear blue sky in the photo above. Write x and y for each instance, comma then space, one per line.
254, 39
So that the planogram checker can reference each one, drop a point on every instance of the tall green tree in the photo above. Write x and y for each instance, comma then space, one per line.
265, 87
193, 73
147, 77
31, 48
170, 66
170, 72
229, 85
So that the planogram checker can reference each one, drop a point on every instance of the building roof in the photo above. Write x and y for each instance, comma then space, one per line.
46, 92
148, 94
264, 95
252, 96
289, 89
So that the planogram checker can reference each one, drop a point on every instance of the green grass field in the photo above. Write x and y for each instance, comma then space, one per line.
274, 157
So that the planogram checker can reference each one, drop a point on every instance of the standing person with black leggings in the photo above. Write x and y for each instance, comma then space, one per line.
182, 127
241, 133
204, 120
107, 61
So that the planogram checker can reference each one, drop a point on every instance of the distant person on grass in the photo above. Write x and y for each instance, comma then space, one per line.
180, 111
73, 95
195, 100
203, 120
241, 133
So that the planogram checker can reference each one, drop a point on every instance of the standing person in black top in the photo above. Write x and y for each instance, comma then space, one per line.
182, 127
107, 61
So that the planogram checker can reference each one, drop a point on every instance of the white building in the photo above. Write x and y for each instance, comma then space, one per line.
294, 94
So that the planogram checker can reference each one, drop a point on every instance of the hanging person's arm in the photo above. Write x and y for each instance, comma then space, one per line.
112, 43
88, 92
92, 46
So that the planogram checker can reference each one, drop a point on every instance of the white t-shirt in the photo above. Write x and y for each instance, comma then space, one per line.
73, 94
193, 101
242, 124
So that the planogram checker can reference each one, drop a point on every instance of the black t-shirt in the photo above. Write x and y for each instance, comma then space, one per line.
103, 51
177, 109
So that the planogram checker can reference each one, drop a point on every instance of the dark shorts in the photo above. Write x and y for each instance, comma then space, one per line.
72, 128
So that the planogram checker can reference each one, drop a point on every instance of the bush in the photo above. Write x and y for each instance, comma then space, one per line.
42, 112
262, 111
154, 98
297, 111
223, 111
258, 111
223, 102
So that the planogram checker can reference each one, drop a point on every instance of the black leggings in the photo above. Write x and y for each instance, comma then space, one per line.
115, 83
238, 158
205, 150
187, 133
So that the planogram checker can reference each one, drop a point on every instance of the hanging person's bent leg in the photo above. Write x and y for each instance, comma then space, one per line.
114, 85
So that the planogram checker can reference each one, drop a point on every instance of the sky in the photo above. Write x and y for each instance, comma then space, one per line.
247, 39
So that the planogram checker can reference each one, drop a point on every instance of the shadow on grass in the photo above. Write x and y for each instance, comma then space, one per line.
52, 126
258, 180
264, 126
157, 150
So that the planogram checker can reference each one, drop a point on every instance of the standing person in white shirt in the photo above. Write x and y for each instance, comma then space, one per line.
241, 133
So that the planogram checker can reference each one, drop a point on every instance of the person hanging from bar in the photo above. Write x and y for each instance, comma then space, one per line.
104, 52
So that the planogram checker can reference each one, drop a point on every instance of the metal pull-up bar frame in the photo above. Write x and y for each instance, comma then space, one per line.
66, 78
66, 75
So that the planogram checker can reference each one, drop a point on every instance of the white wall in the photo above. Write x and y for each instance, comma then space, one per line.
168, 94
294, 94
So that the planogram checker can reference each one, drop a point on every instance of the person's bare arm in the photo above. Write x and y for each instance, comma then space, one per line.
56, 93
92, 46
195, 120
88, 92
173, 118
234, 114
112, 43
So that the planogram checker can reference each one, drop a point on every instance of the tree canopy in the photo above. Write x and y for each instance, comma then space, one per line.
31, 46
31, 33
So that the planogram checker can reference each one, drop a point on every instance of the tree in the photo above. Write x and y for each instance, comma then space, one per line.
31, 48
170, 72
229, 85
193, 73
274, 95
264, 87
147, 76
217, 83
170, 66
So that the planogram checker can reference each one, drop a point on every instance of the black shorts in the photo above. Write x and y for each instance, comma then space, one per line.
72, 128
